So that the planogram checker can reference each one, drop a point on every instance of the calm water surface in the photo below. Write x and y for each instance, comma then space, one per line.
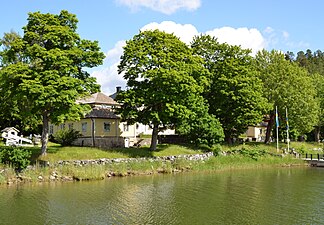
264, 196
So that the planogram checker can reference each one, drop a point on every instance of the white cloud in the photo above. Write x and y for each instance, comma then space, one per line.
116, 52
275, 38
285, 35
107, 75
246, 38
109, 78
269, 30
185, 32
164, 6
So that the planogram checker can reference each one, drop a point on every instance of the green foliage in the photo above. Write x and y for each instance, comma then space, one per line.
45, 70
314, 63
65, 137
216, 149
17, 157
288, 85
200, 127
163, 79
235, 91
253, 153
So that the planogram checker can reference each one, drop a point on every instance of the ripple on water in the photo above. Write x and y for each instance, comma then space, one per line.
266, 196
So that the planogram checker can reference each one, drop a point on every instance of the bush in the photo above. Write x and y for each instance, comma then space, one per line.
216, 149
17, 157
252, 153
66, 137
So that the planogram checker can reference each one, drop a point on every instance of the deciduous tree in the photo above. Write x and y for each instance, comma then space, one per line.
288, 85
164, 81
235, 91
314, 63
49, 76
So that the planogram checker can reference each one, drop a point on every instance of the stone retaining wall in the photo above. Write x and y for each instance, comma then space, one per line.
104, 161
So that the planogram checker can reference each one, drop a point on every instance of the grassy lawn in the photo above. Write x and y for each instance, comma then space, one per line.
301, 147
56, 152
95, 172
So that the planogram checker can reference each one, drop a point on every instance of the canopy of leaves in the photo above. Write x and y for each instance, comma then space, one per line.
314, 63
288, 85
45, 69
235, 90
9, 106
201, 127
163, 79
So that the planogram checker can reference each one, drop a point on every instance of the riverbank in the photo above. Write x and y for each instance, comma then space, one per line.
63, 164
78, 170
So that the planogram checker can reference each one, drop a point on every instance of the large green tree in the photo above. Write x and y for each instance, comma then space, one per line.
164, 84
314, 63
235, 91
49, 76
9, 111
286, 85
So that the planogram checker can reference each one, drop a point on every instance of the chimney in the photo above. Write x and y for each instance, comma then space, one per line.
118, 89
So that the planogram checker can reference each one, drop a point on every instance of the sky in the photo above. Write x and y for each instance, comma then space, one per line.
285, 25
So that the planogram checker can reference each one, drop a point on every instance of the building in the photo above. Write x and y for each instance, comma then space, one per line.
101, 127
141, 128
257, 133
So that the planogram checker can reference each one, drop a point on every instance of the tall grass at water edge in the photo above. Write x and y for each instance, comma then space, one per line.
252, 158
98, 172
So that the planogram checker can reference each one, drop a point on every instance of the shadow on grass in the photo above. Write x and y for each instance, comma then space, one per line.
138, 152
36, 152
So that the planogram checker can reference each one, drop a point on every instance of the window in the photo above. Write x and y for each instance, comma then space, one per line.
84, 127
51, 129
62, 126
107, 127
126, 127
70, 126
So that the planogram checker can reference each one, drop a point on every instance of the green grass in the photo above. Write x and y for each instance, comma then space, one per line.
98, 172
242, 162
301, 147
249, 158
56, 152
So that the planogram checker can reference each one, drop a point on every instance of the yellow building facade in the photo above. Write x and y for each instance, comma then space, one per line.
101, 127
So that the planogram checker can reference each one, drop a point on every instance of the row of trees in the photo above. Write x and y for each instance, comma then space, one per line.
208, 91
211, 90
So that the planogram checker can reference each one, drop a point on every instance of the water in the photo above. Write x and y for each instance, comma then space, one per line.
264, 196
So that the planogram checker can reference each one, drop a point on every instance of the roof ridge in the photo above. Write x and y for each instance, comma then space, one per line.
98, 98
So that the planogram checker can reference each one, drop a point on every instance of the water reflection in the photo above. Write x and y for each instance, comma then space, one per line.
266, 196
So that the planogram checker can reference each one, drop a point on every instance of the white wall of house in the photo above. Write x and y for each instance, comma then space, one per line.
258, 132
146, 130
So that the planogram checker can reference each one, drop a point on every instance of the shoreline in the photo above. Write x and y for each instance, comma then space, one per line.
78, 170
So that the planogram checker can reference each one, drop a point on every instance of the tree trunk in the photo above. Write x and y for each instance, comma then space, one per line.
155, 133
269, 129
45, 133
317, 133
228, 139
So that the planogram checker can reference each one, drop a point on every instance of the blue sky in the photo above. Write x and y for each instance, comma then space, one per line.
286, 25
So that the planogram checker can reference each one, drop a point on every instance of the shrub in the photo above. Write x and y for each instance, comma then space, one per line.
216, 149
252, 153
17, 157
66, 137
